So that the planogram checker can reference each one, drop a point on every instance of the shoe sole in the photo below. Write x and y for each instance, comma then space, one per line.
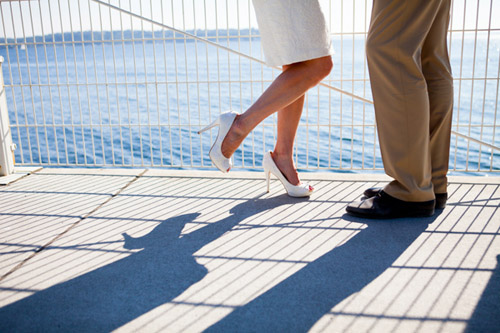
387, 217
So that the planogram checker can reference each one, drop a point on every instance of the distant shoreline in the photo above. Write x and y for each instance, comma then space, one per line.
108, 36
129, 36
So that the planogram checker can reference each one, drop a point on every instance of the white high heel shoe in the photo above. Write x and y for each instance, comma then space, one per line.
224, 121
302, 190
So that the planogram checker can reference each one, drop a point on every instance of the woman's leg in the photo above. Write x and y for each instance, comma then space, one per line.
287, 88
288, 122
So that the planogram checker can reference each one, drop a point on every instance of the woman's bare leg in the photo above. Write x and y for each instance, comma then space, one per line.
287, 88
288, 122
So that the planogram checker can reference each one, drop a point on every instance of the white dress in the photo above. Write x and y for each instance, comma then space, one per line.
292, 30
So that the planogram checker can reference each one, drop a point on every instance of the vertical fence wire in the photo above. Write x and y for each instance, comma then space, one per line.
495, 113
126, 84
28, 67
472, 87
330, 96
457, 115
352, 81
116, 84
42, 108
250, 42
54, 128
485, 82
177, 84
364, 95
198, 123
84, 55
167, 92
341, 127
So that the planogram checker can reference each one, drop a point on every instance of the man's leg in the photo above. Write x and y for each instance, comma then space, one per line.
437, 71
397, 33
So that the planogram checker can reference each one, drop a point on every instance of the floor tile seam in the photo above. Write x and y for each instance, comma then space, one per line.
84, 217
22, 177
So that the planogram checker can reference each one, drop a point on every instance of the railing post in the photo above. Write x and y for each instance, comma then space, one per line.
6, 146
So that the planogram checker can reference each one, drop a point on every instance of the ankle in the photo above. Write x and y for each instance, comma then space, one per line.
237, 128
282, 156
233, 139
287, 167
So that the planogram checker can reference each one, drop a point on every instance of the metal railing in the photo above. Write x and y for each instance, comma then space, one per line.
6, 145
125, 83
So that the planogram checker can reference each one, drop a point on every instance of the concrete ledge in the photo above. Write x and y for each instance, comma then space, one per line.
19, 172
92, 171
254, 175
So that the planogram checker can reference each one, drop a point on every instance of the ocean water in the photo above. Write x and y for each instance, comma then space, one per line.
141, 103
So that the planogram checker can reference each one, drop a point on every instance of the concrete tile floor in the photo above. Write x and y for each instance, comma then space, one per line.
155, 250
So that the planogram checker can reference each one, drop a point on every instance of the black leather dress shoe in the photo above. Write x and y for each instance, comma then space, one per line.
441, 198
383, 206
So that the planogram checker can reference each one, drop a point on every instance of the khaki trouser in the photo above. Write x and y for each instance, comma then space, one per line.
412, 90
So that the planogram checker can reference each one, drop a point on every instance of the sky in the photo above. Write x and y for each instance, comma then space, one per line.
28, 18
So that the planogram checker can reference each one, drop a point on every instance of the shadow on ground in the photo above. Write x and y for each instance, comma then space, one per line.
111, 296
298, 302
486, 316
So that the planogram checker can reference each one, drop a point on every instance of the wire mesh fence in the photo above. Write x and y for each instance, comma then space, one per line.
129, 83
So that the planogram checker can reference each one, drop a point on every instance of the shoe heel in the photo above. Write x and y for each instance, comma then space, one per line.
268, 179
211, 125
301, 190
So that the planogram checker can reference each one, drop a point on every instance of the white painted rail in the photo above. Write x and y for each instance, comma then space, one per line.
6, 146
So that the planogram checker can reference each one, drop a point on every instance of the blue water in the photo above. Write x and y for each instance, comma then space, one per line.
97, 101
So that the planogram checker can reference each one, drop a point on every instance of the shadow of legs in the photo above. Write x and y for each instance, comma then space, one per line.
299, 301
113, 295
